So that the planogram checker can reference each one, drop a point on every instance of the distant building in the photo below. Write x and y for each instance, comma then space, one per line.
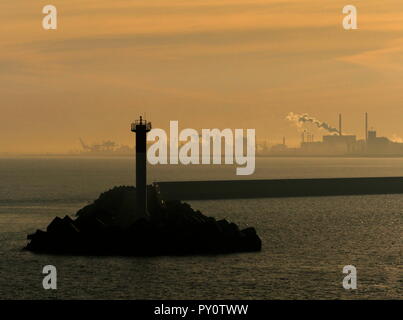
377, 144
279, 148
312, 148
340, 144
331, 145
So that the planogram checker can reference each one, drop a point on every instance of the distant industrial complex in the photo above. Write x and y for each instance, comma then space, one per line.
337, 144
106, 148
334, 143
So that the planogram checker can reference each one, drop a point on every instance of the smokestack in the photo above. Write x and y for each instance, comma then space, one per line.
340, 125
366, 126
284, 141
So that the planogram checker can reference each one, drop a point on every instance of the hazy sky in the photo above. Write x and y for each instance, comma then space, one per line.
206, 63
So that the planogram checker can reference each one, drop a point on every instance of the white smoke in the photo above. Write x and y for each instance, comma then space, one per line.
301, 119
396, 138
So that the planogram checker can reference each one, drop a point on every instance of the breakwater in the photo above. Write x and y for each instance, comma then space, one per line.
238, 189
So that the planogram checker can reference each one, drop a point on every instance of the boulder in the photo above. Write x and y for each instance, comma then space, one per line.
173, 228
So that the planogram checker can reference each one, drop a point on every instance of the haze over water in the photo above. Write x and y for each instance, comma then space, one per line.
306, 241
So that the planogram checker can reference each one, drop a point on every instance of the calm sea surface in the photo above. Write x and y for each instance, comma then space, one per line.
306, 241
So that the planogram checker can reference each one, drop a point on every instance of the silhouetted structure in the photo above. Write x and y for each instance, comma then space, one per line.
158, 227
173, 228
141, 127
366, 127
346, 144
105, 149
243, 189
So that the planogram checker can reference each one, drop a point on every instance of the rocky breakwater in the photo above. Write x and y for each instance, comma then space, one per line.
109, 226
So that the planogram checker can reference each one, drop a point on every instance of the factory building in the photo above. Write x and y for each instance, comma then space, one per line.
340, 144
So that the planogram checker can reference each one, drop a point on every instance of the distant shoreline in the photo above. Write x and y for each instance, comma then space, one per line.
357, 156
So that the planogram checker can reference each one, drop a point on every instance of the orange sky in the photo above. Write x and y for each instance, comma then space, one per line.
206, 63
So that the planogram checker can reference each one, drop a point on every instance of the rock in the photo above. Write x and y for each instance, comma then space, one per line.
62, 226
251, 240
108, 227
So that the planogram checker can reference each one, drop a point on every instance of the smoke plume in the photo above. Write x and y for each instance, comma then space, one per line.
396, 138
301, 119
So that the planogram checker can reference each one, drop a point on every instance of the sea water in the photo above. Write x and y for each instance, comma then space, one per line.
306, 241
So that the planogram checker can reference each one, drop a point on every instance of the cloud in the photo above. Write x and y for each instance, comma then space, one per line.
383, 59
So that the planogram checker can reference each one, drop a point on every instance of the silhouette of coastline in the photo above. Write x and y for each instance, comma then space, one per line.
109, 226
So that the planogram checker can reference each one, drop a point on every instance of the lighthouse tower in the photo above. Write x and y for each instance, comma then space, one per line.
141, 127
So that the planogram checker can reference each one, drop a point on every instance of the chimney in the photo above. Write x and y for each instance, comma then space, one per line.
366, 126
340, 125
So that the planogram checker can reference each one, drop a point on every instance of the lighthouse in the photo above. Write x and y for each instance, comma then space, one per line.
141, 127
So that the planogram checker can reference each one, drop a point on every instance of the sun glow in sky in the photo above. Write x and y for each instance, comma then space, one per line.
206, 63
